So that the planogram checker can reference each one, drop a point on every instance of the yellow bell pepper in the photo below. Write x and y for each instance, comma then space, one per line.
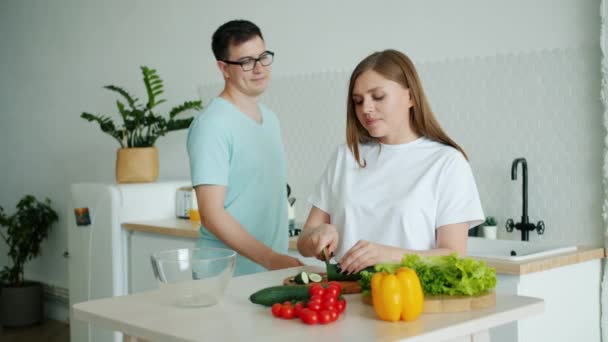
397, 296
411, 293
386, 296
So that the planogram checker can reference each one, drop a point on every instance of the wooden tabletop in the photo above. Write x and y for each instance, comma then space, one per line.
152, 315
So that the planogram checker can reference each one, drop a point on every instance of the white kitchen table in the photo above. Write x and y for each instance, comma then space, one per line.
151, 316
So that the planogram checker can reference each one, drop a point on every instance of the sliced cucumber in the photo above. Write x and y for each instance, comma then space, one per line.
301, 278
315, 278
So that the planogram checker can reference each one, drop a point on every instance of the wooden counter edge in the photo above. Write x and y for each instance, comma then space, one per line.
193, 232
582, 254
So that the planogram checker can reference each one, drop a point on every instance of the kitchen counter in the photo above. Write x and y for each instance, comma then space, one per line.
177, 227
582, 254
187, 229
149, 316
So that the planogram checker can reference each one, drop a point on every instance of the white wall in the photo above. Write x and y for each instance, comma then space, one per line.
57, 55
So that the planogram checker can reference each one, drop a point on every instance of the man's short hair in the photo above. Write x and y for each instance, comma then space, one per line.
234, 32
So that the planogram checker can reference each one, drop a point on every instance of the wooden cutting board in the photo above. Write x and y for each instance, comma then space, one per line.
348, 287
438, 304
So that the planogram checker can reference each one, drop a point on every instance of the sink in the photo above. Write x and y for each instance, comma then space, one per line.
523, 250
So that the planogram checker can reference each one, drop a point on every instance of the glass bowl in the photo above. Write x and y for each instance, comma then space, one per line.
194, 277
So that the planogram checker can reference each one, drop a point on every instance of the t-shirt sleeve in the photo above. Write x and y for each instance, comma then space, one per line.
209, 151
321, 197
458, 198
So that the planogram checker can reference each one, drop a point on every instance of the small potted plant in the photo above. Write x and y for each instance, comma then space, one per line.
21, 301
137, 158
489, 228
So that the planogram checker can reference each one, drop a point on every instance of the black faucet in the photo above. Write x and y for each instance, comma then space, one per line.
525, 226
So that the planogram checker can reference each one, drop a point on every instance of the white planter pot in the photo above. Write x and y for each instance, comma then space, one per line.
489, 232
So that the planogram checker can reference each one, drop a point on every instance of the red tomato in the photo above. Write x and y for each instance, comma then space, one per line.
324, 317
287, 303
334, 284
332, 291
328, 306
287, 312
309, 317
334, 314
297, 309
316, 289
341, 305
329, 298
276, 310
314, 306
316, 297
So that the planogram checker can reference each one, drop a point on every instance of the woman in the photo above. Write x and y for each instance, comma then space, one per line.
399, 185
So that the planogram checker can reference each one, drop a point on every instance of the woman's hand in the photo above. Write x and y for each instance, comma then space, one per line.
314, 240
365, 253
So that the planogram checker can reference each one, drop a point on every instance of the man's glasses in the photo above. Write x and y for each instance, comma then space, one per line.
248, 64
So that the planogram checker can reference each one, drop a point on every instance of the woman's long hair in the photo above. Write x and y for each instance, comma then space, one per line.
397, 67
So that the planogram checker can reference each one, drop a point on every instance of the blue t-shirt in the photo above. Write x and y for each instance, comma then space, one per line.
226, 147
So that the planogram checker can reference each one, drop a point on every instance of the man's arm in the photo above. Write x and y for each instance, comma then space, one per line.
219, 222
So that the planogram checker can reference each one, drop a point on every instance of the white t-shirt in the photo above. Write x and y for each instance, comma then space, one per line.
401, 197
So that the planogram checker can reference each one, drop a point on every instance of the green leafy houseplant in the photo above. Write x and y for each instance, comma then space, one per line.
142, 126
25, 231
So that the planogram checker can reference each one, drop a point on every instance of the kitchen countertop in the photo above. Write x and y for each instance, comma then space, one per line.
187, 229
149, 315
177, 227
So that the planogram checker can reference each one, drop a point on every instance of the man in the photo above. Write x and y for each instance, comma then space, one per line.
237, 160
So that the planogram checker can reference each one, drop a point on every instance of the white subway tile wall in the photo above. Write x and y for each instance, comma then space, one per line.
543, 106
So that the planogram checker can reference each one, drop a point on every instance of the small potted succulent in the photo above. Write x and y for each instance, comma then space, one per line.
137, 159
21, 301
489, 228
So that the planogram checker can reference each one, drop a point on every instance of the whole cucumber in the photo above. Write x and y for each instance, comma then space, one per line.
279, 294
334, 273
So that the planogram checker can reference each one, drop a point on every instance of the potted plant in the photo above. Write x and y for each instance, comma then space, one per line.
21, 301
137, 158
489, 228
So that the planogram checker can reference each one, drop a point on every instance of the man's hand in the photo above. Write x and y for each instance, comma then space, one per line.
314, 240
279, 261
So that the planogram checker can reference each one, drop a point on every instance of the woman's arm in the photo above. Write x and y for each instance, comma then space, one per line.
318, 234
451, 238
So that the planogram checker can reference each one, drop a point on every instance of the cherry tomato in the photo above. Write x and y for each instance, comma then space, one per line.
316, 289
287, 312
287, 303
316, 299
314, 306
328, 306
332, 291
276, 310
297, 309
329, 298
309, 317
341, 305
334, 314
335, 284
324, 317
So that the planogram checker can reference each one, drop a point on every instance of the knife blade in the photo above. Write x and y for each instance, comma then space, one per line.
325, 258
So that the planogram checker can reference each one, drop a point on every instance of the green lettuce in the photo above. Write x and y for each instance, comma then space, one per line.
442, 275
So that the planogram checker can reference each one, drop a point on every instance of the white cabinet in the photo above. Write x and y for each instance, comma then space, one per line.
572, 304
141, 247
